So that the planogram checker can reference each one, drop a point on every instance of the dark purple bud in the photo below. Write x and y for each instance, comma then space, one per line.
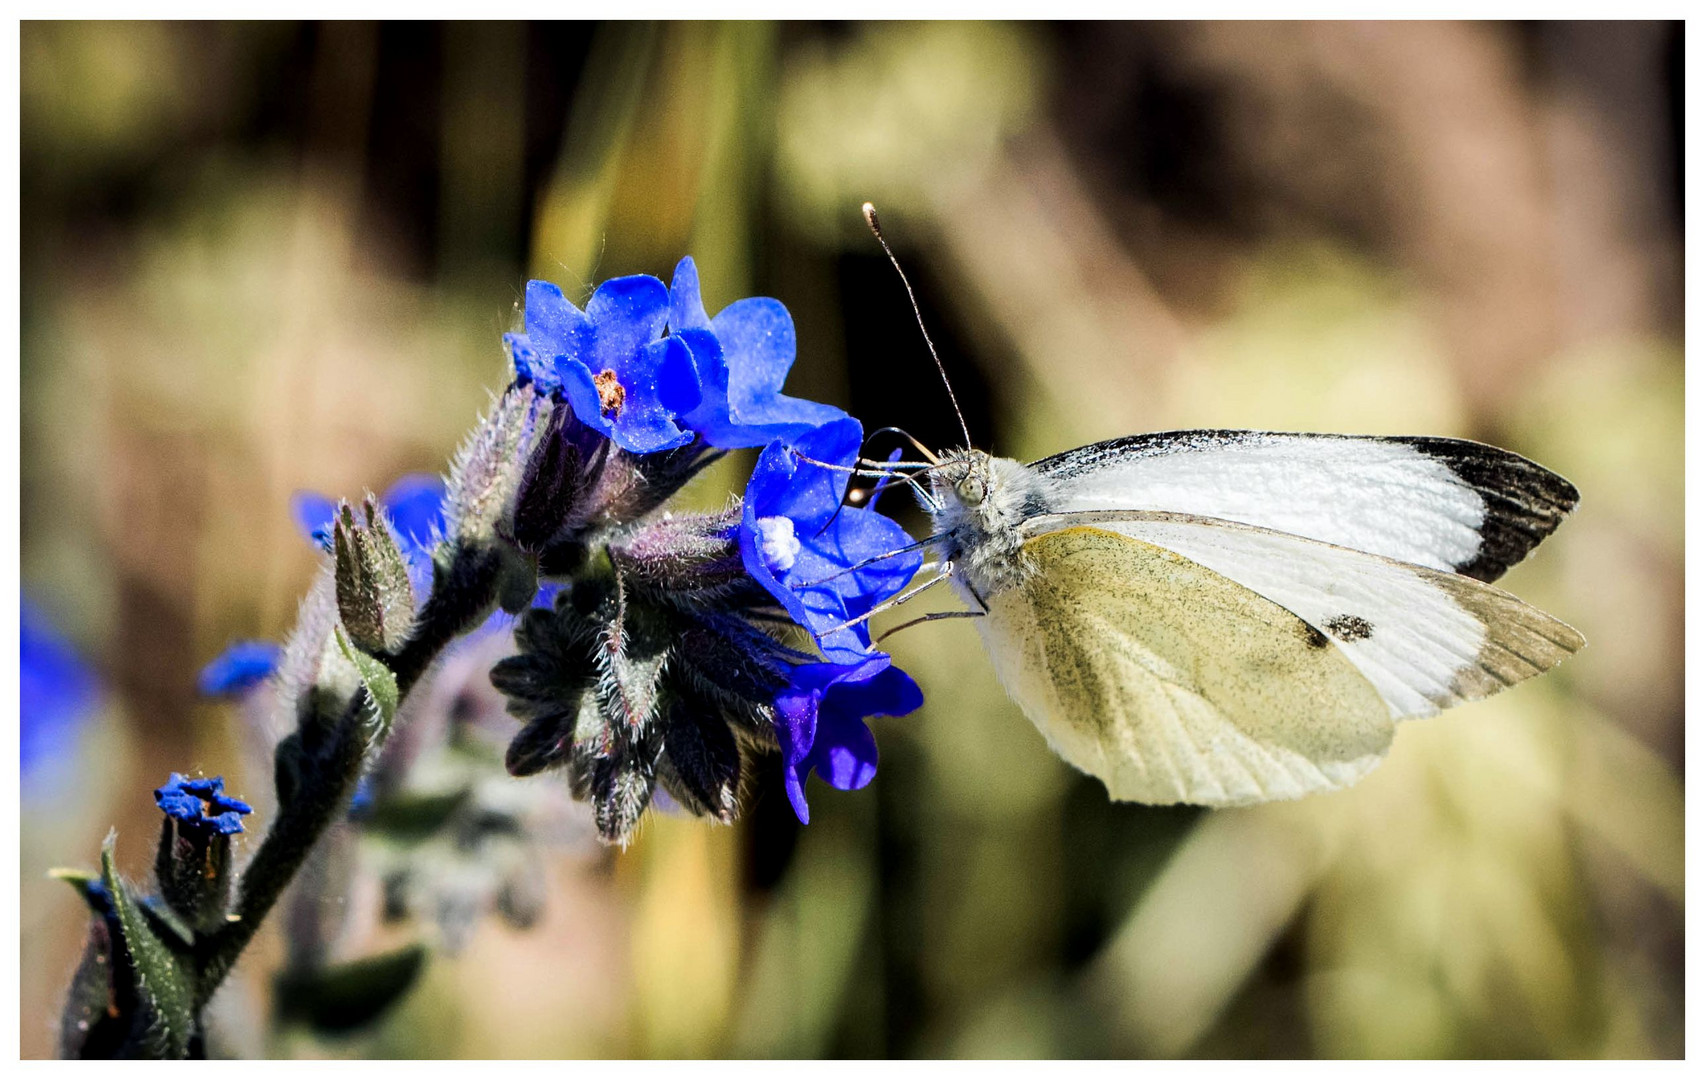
621, 787
562, 471
701, 763
542, 744
685, 561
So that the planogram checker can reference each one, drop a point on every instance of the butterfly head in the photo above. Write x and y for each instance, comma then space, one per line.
967, 474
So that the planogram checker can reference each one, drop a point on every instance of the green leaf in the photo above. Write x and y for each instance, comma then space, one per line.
338, 999
161, 981
377, 678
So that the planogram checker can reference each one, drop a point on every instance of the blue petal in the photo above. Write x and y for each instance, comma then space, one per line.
795, 784
845, 753
228, 805
628, 314
314, 515
882, 484
784, 482
686, 309
556, 327
815, 590
759, 344
530, 366
676, 379
179, 805
415, 505
228, 824
758, 338
202, 787
582, 395
820, 721
886, 692
644, 423
241, 667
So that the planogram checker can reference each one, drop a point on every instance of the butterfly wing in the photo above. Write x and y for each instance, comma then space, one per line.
1426, 640
1447, 504
1173, 683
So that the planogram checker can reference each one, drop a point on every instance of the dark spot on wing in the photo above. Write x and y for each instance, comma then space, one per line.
1312, 637
1525, 502
1349, 627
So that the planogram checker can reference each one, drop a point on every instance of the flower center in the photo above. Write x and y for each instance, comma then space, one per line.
610, 392
777, 544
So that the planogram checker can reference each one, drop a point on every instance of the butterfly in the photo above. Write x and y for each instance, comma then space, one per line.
1232, 617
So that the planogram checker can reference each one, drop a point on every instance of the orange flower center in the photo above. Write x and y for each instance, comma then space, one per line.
610, 392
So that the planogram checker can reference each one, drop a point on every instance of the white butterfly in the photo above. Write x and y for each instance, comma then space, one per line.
1231, 617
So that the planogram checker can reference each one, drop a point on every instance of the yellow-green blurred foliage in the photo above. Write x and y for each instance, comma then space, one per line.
264, 258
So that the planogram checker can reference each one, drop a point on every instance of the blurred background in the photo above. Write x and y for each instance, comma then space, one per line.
260, 258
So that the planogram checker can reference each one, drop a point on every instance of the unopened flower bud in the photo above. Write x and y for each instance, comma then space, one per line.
487, 470
374, 595
193, 863
562, 470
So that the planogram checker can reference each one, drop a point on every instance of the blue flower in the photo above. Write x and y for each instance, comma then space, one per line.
742, 356
798, 541
820, 722
202, 802
612, 363
243, 666
56, 694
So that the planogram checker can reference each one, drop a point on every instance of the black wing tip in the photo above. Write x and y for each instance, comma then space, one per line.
1525, 501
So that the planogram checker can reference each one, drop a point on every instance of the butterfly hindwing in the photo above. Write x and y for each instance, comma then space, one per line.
1426, 640
1173, 683
1447, 504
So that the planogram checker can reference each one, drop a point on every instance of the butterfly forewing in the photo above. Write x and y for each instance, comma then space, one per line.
1447, 504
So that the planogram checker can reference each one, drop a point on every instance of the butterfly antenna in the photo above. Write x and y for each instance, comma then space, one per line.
908, 436
876, 227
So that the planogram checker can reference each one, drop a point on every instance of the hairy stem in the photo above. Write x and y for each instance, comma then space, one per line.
465, 591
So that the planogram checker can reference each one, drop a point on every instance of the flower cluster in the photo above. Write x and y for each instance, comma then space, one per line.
650, 650
674, 654
663, 649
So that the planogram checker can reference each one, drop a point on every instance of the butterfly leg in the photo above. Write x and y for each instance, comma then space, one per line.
921, 619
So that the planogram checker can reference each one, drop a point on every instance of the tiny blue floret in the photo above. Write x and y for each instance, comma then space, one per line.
201, 802
56, 694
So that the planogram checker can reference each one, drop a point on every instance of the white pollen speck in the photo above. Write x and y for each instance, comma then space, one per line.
777, 544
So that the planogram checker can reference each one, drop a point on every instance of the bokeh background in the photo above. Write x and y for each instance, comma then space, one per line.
259, 258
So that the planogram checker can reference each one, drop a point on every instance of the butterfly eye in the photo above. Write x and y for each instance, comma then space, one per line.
971, 489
